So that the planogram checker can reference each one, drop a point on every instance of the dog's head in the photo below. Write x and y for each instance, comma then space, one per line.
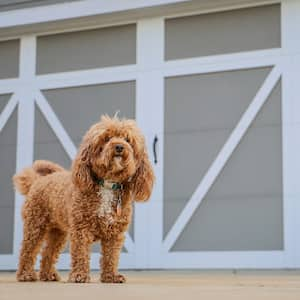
114, 150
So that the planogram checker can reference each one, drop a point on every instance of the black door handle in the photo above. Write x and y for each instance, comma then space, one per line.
155, 140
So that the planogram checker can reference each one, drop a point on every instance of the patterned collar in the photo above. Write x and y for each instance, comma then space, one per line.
115, 186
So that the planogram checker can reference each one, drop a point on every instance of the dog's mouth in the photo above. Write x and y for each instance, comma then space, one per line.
118, 163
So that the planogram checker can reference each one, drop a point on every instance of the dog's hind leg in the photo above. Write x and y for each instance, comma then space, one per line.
55, 242
34, 232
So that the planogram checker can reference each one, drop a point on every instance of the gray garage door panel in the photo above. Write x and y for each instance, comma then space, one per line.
46, 144
88, 49
8, 137
9, 59
79, 107
243, 209
223, 32
200, 113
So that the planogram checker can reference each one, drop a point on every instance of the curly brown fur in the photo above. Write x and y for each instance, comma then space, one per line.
61, 204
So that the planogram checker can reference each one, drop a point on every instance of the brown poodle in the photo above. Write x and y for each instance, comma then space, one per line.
92, 202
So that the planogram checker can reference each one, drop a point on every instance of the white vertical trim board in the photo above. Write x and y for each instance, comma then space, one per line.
290, 28
7, 261
149, 114
25, 134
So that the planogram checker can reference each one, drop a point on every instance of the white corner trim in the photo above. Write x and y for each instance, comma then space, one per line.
74, 9
223, 156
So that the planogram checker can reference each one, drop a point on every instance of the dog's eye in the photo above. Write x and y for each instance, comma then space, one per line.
127, 140
107, 138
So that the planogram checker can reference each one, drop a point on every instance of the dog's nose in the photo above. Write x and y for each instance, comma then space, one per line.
119, 148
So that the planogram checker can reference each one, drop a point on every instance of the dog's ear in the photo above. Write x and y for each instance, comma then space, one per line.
143, 180
81, 174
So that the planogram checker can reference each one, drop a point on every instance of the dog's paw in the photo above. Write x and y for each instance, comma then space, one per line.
26, 276
49, 276
79, 278
112, 278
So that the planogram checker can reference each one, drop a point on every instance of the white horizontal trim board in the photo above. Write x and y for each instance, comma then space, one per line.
86, 77
217, 63
9, 85
222, 158
7, 262
225, 260
223, 62
126, 261
74, 9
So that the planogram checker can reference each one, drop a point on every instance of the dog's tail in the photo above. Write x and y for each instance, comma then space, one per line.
24, 180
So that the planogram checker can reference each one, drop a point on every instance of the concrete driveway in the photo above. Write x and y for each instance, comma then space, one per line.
143, 285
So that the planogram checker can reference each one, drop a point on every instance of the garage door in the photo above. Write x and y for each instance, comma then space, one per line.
213, 94
221, 142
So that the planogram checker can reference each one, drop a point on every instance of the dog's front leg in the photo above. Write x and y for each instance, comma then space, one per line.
80, 256
110, 250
